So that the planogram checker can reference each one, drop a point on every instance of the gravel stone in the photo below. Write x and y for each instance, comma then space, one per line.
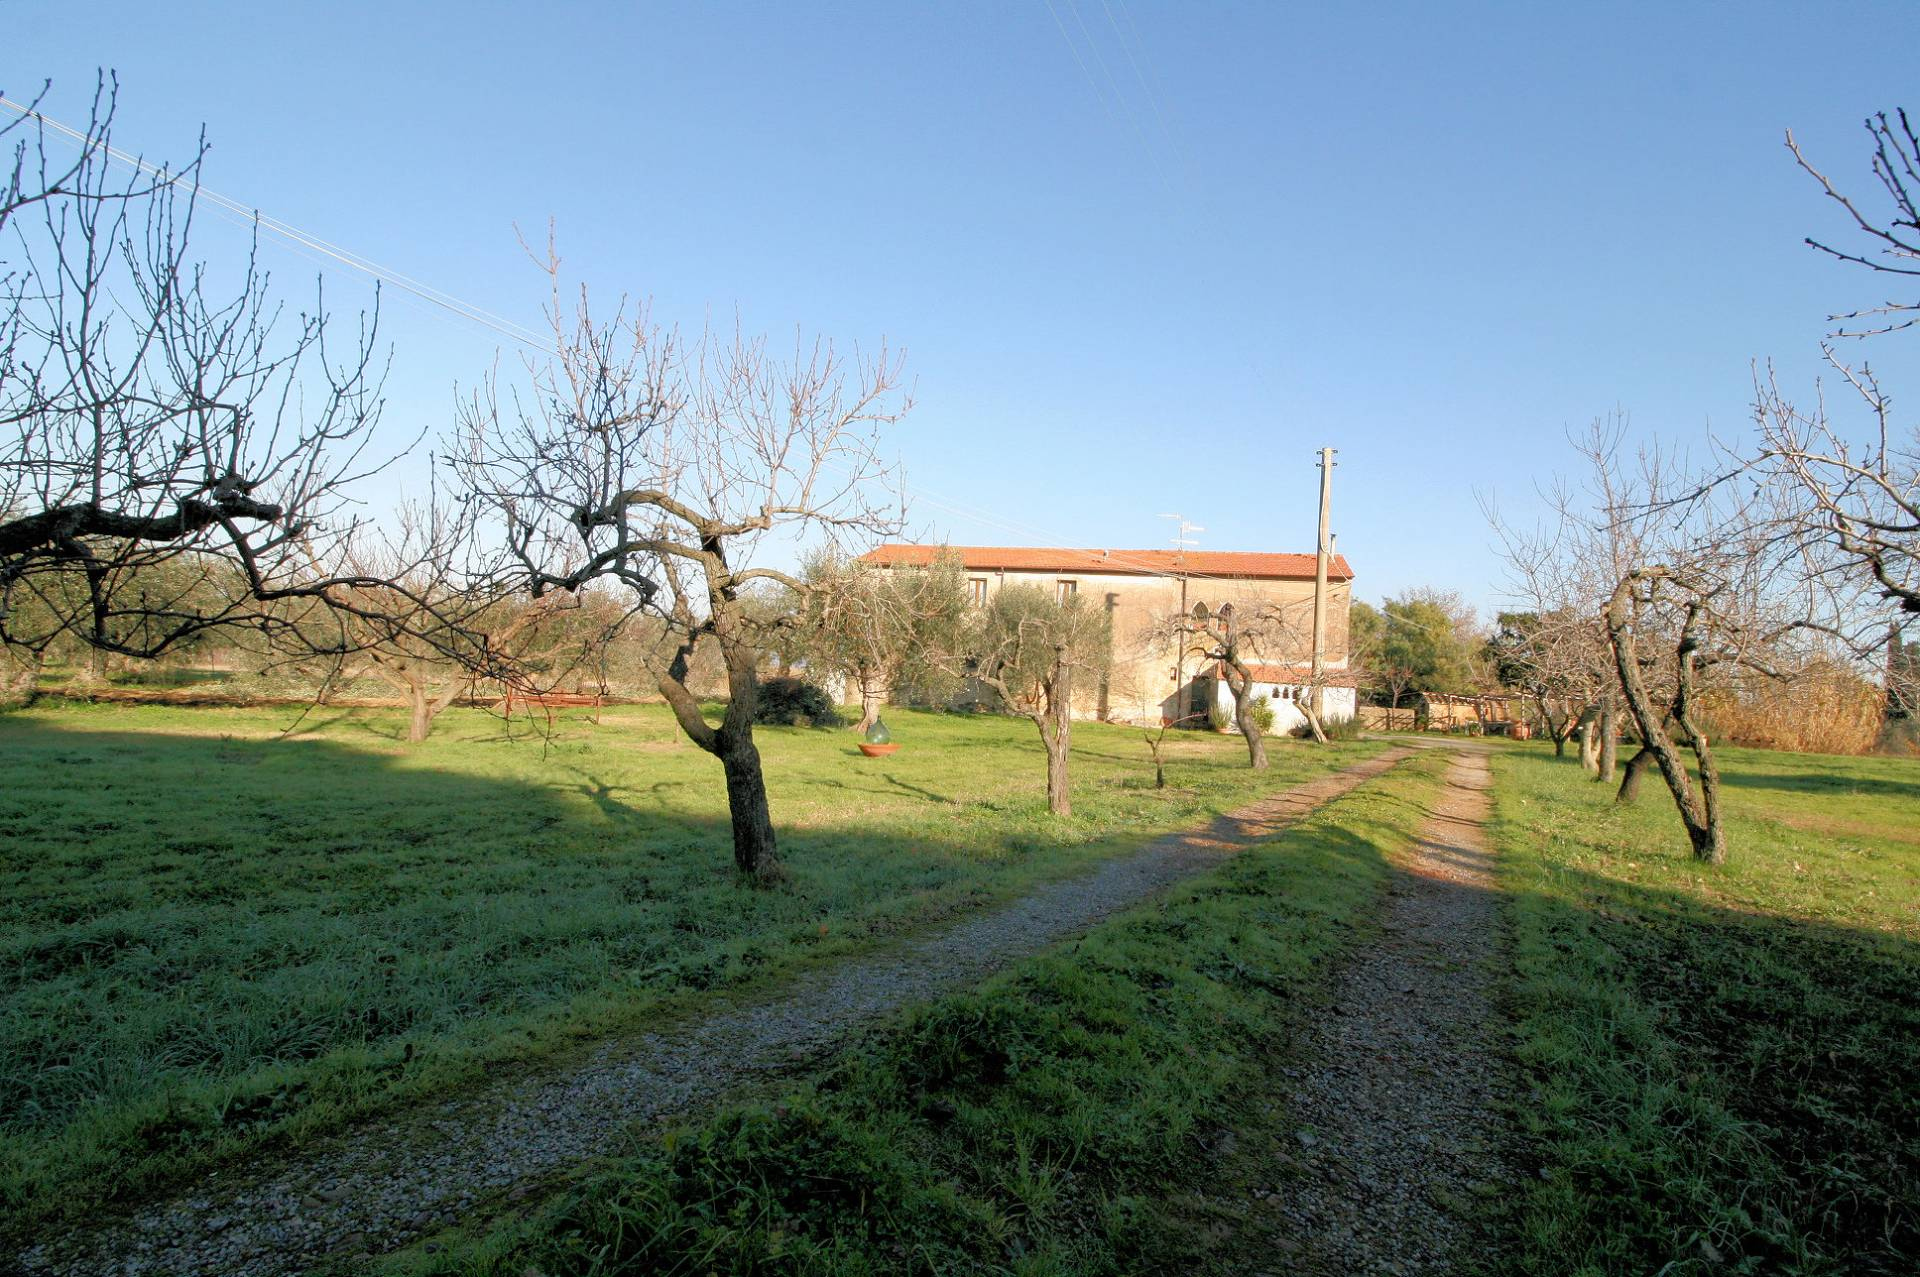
1407, 1090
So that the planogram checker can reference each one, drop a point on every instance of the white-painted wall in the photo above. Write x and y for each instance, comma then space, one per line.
1339, 702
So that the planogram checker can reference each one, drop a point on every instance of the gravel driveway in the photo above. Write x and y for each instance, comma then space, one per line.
1400, 1100
376, 1187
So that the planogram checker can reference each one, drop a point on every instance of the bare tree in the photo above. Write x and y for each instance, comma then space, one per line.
636, 457
428, 619
1646, 591
1849, 494
1564, 571
178, 455
1557, 660
1891, 238
1026, 646
1233, 637
1699, 598
1850, 502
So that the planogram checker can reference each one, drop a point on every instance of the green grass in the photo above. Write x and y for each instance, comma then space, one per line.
1031, 1126
1725, 1062
211, 938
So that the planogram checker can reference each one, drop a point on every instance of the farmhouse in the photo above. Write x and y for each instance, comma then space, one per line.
1150, 679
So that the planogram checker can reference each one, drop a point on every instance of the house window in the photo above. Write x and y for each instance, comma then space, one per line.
1067, 589
977, 591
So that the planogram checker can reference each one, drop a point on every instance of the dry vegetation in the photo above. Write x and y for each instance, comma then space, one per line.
1828, 709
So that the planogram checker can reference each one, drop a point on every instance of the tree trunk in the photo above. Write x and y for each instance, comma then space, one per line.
93, 669
1559, 727
1590, 747
1699, 812
422, 720
22, 677
1056, 732
1256, 743
1059, 795
1609, 742
1249, 730
1630, 778
872, 700
1313, 725
755, 853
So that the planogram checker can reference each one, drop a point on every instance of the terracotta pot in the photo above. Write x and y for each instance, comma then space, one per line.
877, 751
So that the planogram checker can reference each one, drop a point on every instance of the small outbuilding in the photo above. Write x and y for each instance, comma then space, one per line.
1286, 687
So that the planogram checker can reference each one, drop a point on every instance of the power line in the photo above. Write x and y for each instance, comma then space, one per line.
310, 245
286, 230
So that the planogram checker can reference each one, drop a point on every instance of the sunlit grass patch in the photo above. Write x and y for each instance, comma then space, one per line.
211, 936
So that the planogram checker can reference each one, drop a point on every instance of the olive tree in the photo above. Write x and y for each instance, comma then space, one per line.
1026, 645
883, 629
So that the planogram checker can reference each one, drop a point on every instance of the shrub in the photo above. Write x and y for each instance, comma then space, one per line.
1260, 713
1335, 728
794, 702
1217, 718
1343, 728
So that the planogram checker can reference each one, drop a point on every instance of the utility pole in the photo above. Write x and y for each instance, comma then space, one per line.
1180, 544
1323, 550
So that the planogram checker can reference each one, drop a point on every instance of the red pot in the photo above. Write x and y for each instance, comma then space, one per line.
877, 751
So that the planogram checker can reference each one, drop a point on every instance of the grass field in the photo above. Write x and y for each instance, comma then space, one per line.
212, 937
1036, 1126
1725, 1062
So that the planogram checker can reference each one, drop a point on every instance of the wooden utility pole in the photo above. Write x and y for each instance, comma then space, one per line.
1181, 707
1323, 550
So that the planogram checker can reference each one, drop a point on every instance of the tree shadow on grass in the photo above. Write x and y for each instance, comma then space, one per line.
208, 932
894, 786
1807, 783
1743, 1078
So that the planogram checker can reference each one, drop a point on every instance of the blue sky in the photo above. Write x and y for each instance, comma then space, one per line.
1142, 257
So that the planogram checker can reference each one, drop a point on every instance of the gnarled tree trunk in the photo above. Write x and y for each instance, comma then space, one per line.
20, 675
1240, 683
1630, 777
420, 722
1699, 810
873, 698
755, 853
1590, 747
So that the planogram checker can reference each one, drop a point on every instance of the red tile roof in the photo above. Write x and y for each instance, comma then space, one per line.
1200, 563
1294, 674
